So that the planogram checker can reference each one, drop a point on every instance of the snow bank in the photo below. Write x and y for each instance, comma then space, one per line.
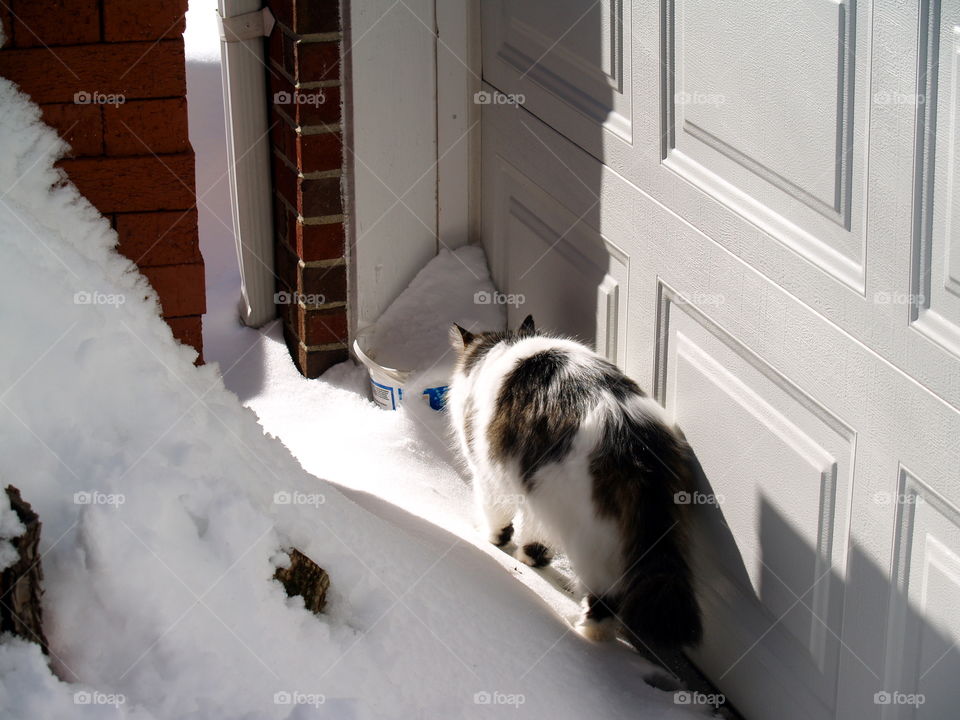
165, 509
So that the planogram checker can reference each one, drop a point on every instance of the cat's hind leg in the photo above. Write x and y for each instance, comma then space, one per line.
496, 509
532, 544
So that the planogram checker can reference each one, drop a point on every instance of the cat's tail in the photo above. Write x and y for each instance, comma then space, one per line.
658, 602
657, 599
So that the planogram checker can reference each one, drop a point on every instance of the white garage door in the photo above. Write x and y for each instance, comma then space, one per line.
751, 208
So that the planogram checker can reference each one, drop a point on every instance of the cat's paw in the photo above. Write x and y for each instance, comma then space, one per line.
597, 630
535, 554
502, 536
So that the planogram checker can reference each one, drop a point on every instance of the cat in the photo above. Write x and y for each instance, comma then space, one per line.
563, 444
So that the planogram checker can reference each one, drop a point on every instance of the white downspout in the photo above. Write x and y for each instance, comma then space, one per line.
243, 24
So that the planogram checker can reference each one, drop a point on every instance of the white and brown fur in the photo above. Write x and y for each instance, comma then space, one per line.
567, 452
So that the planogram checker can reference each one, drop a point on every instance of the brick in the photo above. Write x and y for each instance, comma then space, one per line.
320, 196
6, 26
282, 135
313, 326
143, 20
307, 16
275, 47
55, 22
280, 50
180, 287
134, 70
285, 267
315, 61
319, 242
310, 197
159, 238
288, 43
331, 282
307, 242
282, 221
135, 184
79, 125
285, 311
309, 152
146, 126
322, 327
189, 331
284, 182
311, 364
323, 151
314, 106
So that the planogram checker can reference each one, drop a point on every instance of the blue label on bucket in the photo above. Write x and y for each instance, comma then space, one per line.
437, 396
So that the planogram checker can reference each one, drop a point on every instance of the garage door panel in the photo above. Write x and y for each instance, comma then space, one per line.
759, 84
761, 108
571, 62
935, 295
778, 473
925, 605
536, 241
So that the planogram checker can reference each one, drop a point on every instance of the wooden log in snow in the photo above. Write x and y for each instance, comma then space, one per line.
21, 584
305, 578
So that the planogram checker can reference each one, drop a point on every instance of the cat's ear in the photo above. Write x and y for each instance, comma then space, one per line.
527, 326
460, 337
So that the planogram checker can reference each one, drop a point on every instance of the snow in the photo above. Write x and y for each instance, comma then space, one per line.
166, 506
413, 332
10, 527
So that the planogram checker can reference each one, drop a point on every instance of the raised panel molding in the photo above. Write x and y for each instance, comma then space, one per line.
538, 240
794, 177
526, 47
608, 312
571, 64
935, 277
924, 624
752, 428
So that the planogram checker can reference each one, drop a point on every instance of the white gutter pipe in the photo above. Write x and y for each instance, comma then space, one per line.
243, 25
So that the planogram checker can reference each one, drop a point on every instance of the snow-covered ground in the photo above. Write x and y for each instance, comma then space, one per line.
166, 507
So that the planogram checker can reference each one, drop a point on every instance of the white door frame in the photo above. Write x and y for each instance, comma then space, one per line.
412, 139
458, 121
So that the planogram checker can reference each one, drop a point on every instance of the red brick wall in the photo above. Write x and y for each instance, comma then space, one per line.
304, 57
131, 155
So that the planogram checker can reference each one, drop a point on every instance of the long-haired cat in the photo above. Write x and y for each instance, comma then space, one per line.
561, 442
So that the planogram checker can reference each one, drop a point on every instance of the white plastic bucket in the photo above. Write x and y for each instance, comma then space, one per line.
387, 384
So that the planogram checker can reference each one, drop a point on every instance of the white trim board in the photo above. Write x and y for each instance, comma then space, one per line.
411, 136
